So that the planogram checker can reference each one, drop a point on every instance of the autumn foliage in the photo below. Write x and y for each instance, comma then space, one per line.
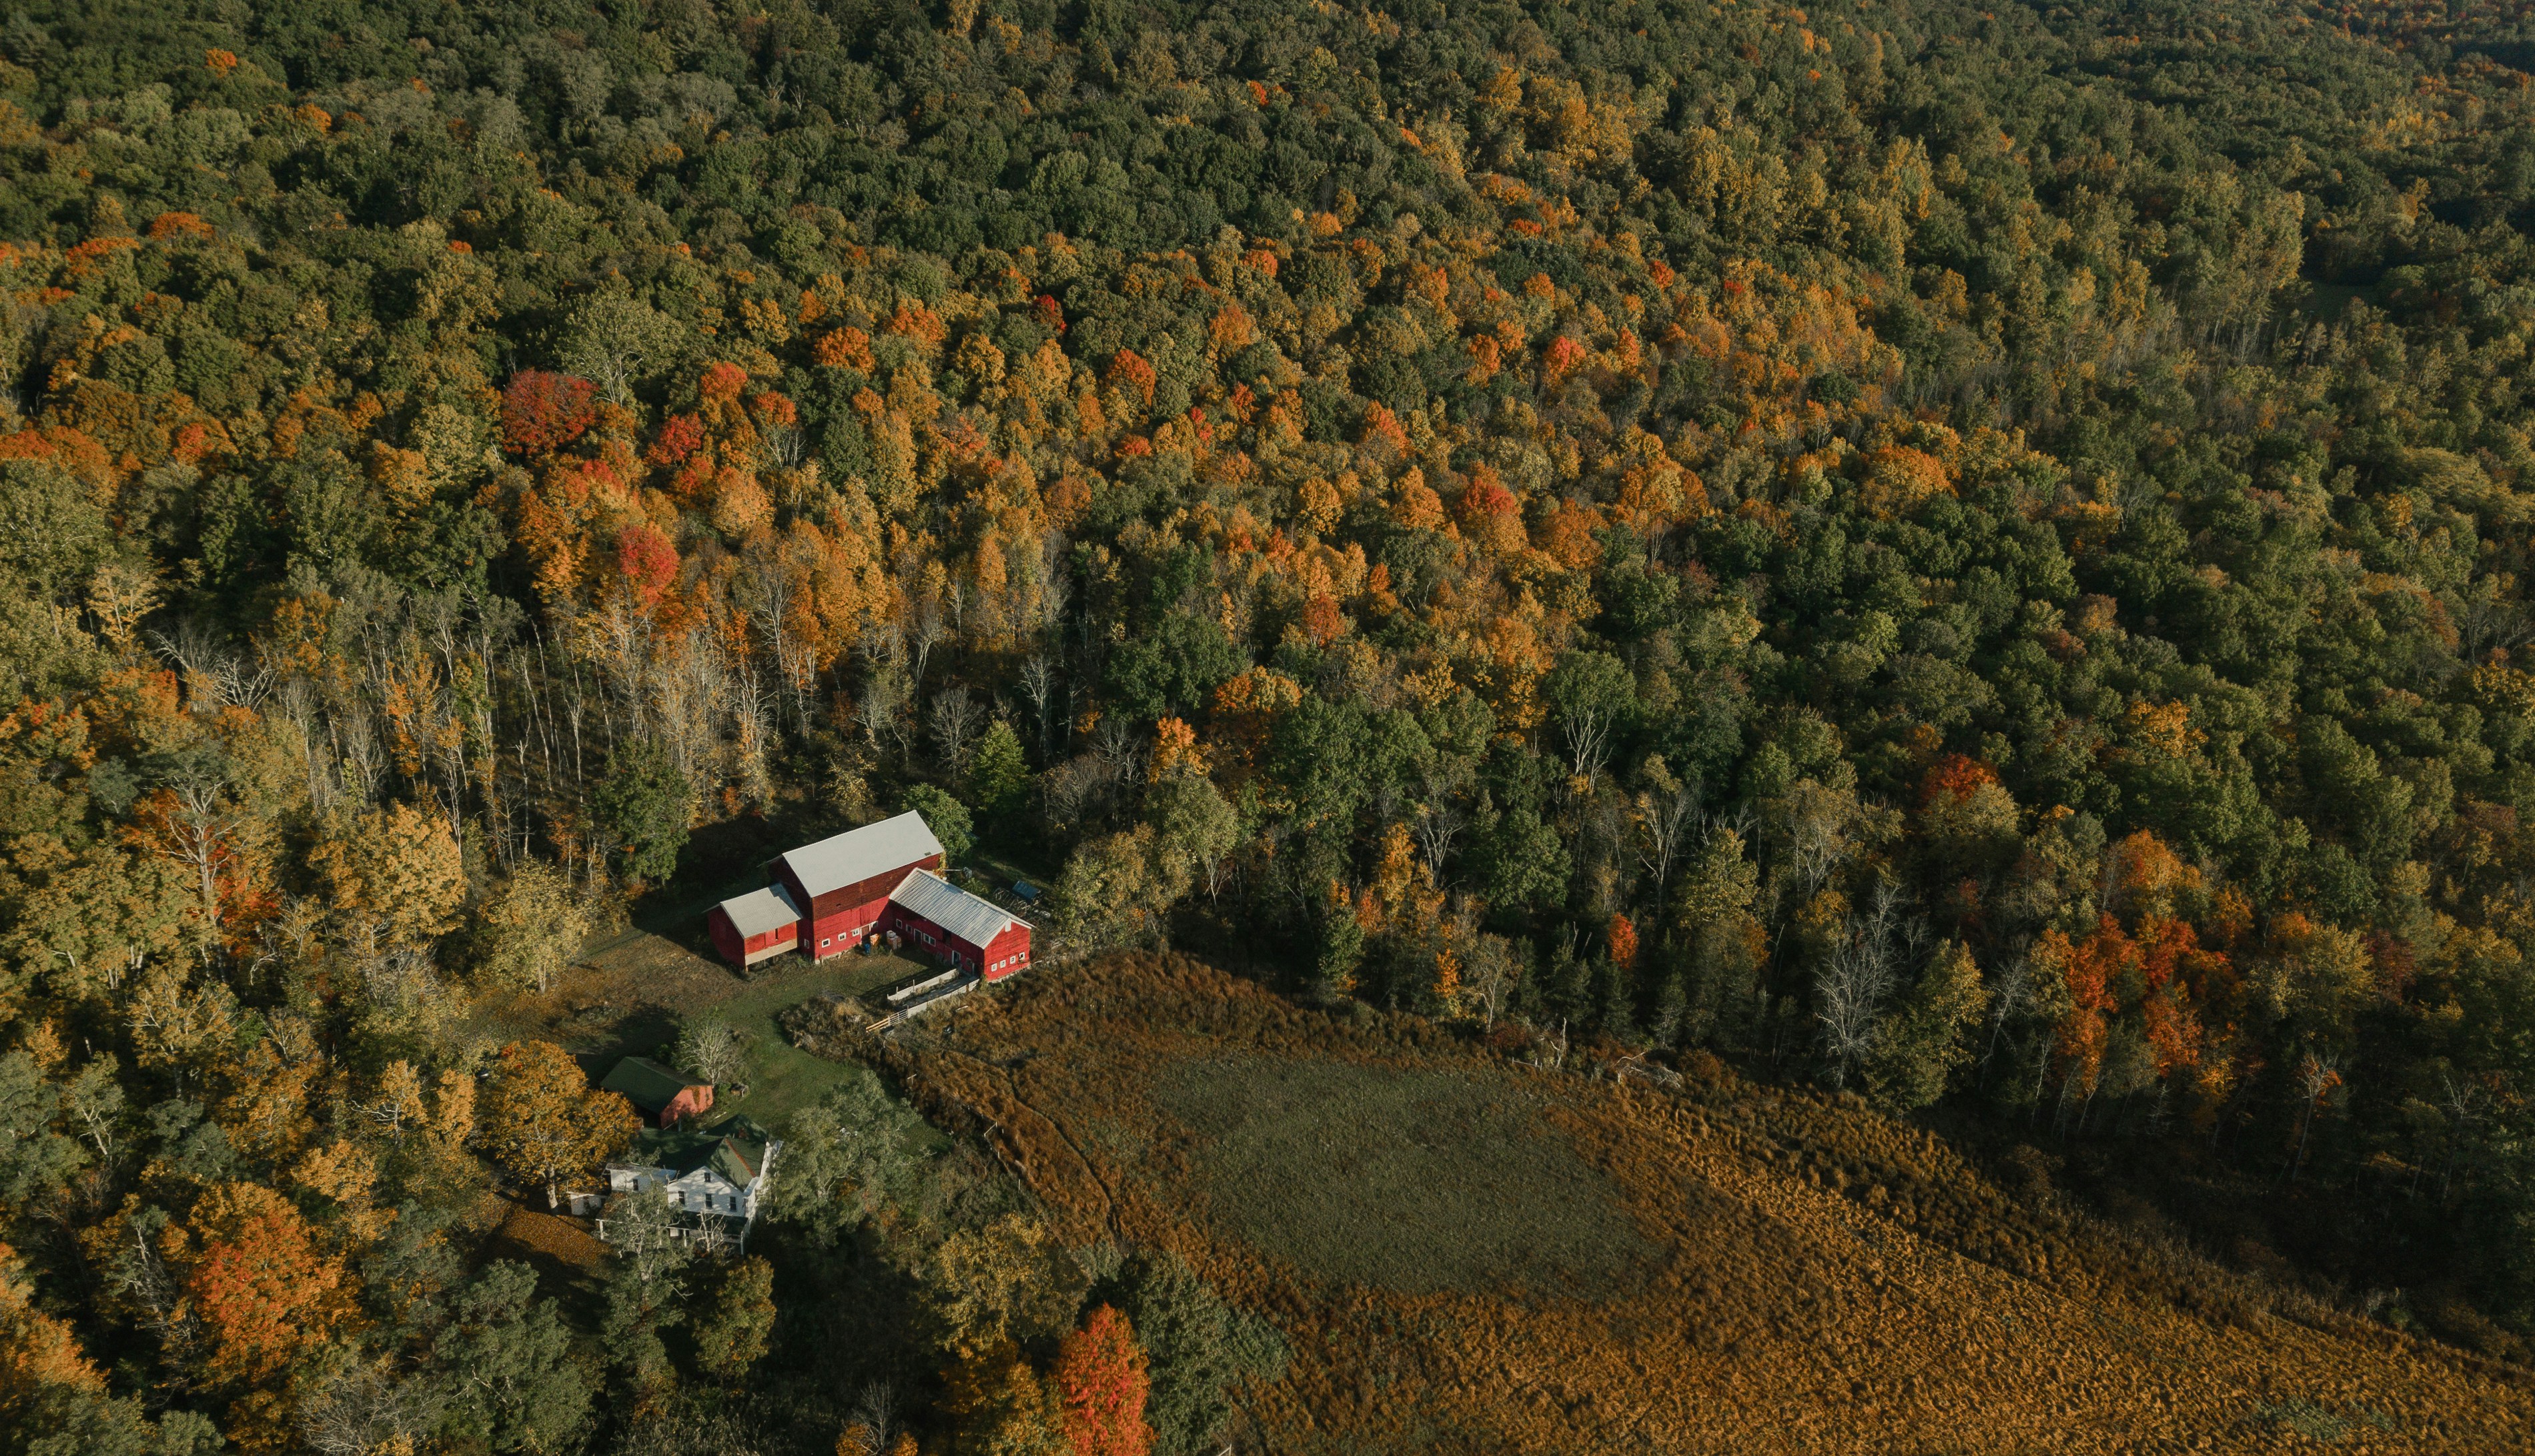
264, 1288
545, 1124
544, 411
40, 1355
1101, 1385
1647, 539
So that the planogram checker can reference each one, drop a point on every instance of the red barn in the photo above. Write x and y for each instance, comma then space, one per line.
834, 895
757, 925
843, 883
956, 924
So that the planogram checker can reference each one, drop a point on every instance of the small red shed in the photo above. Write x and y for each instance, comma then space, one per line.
755, 926
664, 1095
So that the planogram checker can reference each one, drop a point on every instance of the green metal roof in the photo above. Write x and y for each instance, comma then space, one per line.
648, 1084
735, 1148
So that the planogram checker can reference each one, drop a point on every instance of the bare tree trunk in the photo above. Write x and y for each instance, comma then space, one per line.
201, 828
1038, 685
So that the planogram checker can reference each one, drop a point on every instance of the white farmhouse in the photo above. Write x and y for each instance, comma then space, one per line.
716, 1176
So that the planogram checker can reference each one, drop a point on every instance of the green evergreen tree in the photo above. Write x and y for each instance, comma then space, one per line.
948, 817
1340, 952
1925, 1039
514, 1382
643, 804
997, 777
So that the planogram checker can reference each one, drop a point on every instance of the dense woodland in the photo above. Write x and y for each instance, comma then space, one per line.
1975, 556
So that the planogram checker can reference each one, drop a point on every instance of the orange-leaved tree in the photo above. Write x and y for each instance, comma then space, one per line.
1622, 936
264, 1289
543, 1122
40, 1362
1101, 1381
393, 875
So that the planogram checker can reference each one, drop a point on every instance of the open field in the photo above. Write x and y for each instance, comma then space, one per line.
1467, 1189
1468, 1255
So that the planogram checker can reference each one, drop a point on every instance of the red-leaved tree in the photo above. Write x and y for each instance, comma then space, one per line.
647, 560
1101, 1382
542, 411
1624, 940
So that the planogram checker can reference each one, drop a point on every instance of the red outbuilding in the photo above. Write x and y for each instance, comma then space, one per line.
757, 925
959, 926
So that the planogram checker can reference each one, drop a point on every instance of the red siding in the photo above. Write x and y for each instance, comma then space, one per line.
694, 1102
841, 929
1012, 946
926, 933
1013, 942
725, 937
793, 886
727, 940
843, 915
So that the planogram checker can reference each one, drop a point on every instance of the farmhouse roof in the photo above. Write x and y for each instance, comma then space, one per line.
648, 1084
734, 1148
963, 914
860, 854
762, 910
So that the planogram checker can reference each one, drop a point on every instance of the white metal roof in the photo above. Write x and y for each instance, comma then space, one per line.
761, 910
859, 854
954, 909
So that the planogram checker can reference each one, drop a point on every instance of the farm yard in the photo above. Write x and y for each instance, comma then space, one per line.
1468, 1255
631, 992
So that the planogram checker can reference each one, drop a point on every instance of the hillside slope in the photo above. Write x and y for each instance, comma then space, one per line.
1727, 1268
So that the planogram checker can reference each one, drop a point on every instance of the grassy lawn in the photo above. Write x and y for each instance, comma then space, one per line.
781, 1078
629, 993
1413, 1179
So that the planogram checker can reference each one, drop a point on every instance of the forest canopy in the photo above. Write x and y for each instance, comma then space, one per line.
1973, 556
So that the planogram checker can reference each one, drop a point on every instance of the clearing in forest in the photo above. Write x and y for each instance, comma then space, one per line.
629, 993
1468, 1255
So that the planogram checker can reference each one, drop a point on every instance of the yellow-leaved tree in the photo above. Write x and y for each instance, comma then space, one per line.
393, 874
530, 929
543, 1121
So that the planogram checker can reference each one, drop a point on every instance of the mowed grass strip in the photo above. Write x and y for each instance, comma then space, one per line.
1412, 1180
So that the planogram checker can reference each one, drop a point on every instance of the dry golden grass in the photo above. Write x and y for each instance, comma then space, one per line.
1817, 1279
1463, 1184
536, 1236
